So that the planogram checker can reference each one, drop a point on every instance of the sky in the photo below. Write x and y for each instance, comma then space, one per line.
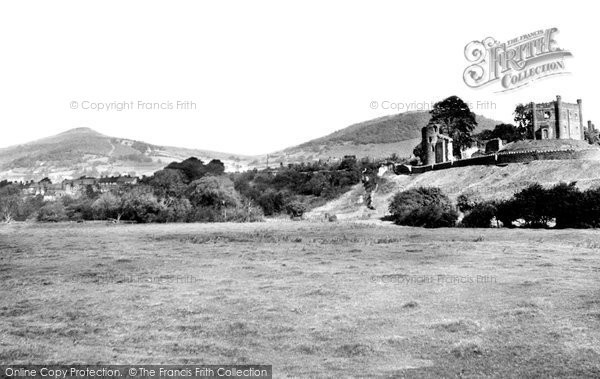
255, 77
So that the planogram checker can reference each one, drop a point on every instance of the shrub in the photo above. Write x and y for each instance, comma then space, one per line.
175, 210
212, 191
506, 212
296, 209
567, 205
271, 202
480, 216
533, 205
245, 213
427, 207
590, 208
467, 201
52, 212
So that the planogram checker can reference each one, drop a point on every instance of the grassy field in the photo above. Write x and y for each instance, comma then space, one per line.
312, 299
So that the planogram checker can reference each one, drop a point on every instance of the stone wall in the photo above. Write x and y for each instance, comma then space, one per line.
504, 158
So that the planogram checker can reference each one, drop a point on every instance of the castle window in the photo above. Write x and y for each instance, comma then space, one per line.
547, 114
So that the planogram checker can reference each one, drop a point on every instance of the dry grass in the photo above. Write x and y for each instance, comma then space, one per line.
313, 299
489, 182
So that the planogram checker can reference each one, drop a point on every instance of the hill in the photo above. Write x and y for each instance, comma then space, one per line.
489, 182
377, 138
83, 151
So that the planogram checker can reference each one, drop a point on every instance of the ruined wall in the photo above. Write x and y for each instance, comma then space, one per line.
508, 157
558, 120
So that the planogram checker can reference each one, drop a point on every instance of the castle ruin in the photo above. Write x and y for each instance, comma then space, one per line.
557, 120
437, 148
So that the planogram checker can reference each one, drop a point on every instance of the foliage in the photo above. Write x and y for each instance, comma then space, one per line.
427, 207
295, 209
480, 215
272, 191
10, 200
52, 212
194, 169
108, 206
212, 191
139, 204
191, 168
506, 132
168, 182
466, 201
457, 121
524, 119
592, 136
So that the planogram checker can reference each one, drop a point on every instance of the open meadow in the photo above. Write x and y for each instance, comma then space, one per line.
314, 299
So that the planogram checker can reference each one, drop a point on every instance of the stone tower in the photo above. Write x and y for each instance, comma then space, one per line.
557, 120
437, 148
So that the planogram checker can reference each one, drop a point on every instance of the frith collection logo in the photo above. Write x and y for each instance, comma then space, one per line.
515, 63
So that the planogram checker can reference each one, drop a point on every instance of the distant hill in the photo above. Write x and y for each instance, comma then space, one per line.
83, 151
377, 138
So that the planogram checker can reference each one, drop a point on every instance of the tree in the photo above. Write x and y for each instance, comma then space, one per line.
141, 205
215, 167
508, 133
592, 136
423, 206
168, 182
534, 205
419, 155
566, 205
212, 191
52, 212
176, 210
296, 209
316, 185
467, 201
480, 215
457, 121
9, 206
10, 201
192, 168
524, 119
108, 206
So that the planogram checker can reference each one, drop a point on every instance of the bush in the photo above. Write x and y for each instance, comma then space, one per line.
567, 205
175, 210
426, 207
296, 209
534, 206
52, 212
245, 213
480, 216
506, 212
467, 201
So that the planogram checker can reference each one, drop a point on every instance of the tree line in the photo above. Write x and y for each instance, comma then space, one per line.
560, 206
192, 191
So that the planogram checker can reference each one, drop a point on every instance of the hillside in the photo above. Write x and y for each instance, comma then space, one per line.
489, 182
377, 138
83, 151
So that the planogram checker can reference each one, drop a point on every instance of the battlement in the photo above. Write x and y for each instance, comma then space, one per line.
557, 120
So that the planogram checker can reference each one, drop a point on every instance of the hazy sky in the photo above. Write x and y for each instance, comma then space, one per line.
264, 75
